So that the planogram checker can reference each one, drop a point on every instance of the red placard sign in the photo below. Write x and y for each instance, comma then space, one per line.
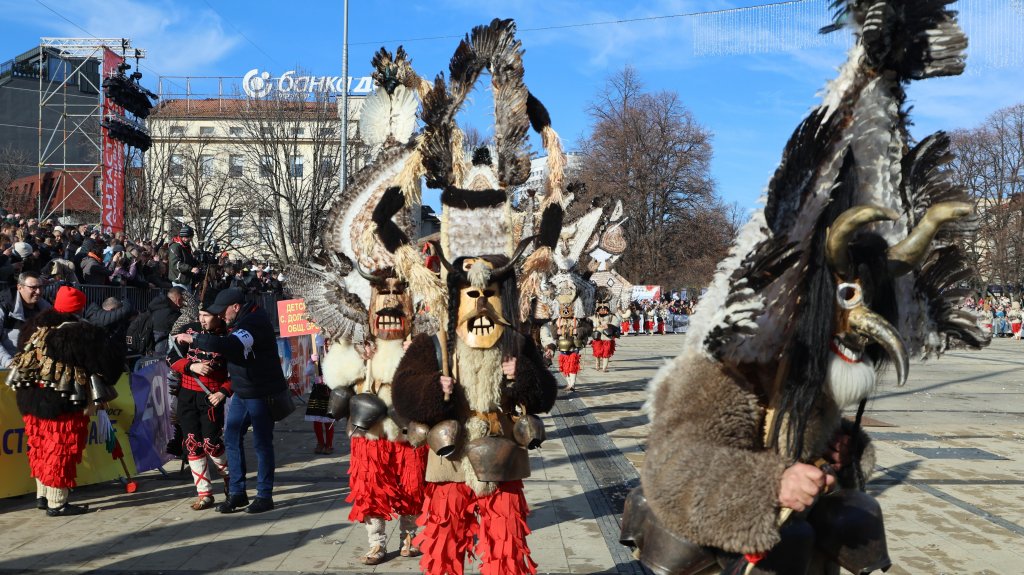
112, 215
291, 317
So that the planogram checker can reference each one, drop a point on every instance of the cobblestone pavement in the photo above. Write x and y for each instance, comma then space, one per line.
951, 481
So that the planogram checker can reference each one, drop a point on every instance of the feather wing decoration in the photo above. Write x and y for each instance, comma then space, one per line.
574, 239
338, 312
850, 151
384, 116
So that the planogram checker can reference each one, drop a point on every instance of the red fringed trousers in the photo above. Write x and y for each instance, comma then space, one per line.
603, 347
569, 363
385, 479
55, 447
453, 515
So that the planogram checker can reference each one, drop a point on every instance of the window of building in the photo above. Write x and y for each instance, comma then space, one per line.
236, 162
266, 225
235, 131
267, 131
326, 167
177, 130
176, 168
298, 131
97, 186
206, 130
206, 164
177, 213
295, 166
234, 224
206, 218
328, 133
266, 166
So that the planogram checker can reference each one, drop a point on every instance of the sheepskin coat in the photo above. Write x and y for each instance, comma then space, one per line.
480, 387
708, 475
343, 366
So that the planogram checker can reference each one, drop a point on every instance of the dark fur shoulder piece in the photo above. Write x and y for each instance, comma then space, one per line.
539, 116
550, 226
388, 231
86, 346
46, 318
472, 199
416, 389
42, 402
534, 387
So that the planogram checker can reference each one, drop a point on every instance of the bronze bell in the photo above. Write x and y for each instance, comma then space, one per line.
365, 410
661, 550
498, 459
580, 342
401, 421
416, 433
443, 437
529, 431
338, 403
565, 344
100, 391
849, 530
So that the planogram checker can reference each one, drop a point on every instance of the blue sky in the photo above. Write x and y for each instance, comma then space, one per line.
750, 102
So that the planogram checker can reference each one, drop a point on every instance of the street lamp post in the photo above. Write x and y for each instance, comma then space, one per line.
343, 173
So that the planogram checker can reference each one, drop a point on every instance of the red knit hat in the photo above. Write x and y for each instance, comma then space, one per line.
69, 300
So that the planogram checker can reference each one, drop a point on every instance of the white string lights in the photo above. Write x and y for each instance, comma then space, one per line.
992, 26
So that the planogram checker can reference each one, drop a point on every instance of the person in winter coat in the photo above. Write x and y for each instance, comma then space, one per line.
250, 349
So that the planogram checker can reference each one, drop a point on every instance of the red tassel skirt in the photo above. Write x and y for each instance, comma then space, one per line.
385, 479
55, 447
627, 326
603, 347
450, 523
569, 363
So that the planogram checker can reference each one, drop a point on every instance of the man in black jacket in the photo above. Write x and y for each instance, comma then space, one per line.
250, 348
182, 265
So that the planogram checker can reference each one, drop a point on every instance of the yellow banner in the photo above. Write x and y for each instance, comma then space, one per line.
97, 465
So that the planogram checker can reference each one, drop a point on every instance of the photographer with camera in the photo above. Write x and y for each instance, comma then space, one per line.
182, 265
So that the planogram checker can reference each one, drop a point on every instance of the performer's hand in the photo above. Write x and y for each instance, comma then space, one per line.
314, 358
549, 353
215, 398
406, 344
183, 338
446, 384
200, 368
838, 453
801, 483
508, 367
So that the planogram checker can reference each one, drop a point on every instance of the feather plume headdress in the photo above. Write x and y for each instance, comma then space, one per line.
368, 227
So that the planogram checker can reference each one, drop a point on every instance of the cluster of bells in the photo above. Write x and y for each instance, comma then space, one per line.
493, 458
79, 395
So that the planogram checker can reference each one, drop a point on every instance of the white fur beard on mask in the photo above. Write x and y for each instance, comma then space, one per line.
849, 383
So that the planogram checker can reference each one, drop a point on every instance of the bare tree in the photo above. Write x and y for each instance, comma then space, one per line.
291, 151
989, 164
15, 164
150, 184
647, 150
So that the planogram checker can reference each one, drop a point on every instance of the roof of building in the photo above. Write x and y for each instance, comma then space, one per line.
223, 107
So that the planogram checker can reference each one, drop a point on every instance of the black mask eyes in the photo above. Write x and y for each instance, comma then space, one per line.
473, 293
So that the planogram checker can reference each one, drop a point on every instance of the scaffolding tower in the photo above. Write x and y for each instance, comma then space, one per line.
61, 119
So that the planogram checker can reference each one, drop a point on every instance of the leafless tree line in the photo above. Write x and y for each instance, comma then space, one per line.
647, 150
264, 189
989, 164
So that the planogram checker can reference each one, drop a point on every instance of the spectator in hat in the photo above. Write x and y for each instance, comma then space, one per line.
250, 349
182, 265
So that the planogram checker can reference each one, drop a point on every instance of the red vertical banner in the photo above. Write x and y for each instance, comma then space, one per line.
112, 215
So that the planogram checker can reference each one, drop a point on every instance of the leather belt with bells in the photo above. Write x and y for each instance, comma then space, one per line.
493, 423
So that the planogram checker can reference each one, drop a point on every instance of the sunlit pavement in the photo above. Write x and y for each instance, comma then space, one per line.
950, 479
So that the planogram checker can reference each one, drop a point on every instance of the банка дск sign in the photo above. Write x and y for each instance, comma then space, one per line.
258, 84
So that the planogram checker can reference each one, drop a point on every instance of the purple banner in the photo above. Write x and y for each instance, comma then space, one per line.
151, 429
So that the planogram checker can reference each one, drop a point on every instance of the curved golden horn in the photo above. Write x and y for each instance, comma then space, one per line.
910, 252
869, 324
842, 229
